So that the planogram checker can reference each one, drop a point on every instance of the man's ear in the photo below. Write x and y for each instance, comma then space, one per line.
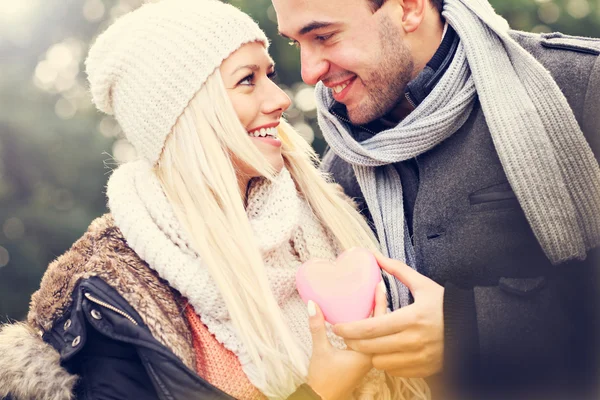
414, 13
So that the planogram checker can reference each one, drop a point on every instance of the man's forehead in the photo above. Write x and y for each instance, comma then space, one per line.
293, 16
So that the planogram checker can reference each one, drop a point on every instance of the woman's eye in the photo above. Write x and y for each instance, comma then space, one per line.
272, 76
247, 81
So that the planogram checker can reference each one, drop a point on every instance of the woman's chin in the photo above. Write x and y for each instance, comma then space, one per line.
277, 164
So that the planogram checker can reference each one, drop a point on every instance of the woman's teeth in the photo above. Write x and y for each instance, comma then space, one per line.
264, 132
337, 89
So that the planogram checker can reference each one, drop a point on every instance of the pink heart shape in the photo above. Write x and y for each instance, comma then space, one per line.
344, 289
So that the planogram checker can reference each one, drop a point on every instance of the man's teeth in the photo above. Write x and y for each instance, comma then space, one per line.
264, 132
337, 89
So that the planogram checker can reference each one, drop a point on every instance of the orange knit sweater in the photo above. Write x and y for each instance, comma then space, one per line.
217, 365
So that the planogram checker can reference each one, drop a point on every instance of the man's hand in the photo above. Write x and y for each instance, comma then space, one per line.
408, 342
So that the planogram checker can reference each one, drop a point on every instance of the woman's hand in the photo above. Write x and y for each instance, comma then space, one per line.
334, 373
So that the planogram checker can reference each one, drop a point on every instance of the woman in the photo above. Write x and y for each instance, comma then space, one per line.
186, 290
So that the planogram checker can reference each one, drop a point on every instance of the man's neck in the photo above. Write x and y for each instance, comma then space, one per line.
400, 112
425, 80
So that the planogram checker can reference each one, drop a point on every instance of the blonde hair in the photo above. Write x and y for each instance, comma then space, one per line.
199, 178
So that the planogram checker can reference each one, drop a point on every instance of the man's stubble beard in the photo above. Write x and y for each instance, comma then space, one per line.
387, 83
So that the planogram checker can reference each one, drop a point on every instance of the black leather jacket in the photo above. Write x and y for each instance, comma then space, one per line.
105, 342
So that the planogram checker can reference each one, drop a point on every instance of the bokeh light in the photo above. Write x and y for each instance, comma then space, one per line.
4, 257
13, 228
549, 12
305, 99
54, 144
306, 131
93, 10
123, 151
578, 8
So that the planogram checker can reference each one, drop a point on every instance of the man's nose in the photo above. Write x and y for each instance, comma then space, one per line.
313, 65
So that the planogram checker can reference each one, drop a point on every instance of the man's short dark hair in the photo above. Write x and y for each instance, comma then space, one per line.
375, 4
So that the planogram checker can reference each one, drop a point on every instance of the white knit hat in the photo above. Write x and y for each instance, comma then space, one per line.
148, 65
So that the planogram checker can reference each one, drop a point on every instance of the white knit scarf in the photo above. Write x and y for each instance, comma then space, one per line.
548, 163
286, 230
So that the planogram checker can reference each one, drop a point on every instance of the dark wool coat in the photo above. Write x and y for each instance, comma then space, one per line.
514, 324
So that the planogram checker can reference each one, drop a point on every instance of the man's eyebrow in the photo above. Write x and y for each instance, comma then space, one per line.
309, 28
314, 25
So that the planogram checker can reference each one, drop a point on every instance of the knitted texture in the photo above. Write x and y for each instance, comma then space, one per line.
151, 228
216, 364
148, 65
286, 231
548, 163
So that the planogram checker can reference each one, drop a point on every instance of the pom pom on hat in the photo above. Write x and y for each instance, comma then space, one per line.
148, 65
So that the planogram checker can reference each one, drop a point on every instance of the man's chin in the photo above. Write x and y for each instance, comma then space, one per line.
360, 116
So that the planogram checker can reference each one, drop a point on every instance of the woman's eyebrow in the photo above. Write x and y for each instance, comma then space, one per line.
251, 67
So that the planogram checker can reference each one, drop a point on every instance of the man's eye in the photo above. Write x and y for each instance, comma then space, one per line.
322, 38
294, 43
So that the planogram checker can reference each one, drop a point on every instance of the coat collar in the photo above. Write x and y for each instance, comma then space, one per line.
103, 252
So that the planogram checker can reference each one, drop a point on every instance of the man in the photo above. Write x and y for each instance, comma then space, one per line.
468, 147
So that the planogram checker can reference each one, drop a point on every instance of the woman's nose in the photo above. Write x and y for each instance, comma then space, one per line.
276, 100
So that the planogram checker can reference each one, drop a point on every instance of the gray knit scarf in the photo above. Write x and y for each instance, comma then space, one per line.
541, 147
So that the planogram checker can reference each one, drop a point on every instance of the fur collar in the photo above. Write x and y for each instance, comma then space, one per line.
30, 367
102, 252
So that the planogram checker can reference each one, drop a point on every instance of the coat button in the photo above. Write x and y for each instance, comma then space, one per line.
67, 324
96, 314
76, 341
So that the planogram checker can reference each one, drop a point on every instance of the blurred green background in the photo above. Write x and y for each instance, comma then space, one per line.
56, 151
